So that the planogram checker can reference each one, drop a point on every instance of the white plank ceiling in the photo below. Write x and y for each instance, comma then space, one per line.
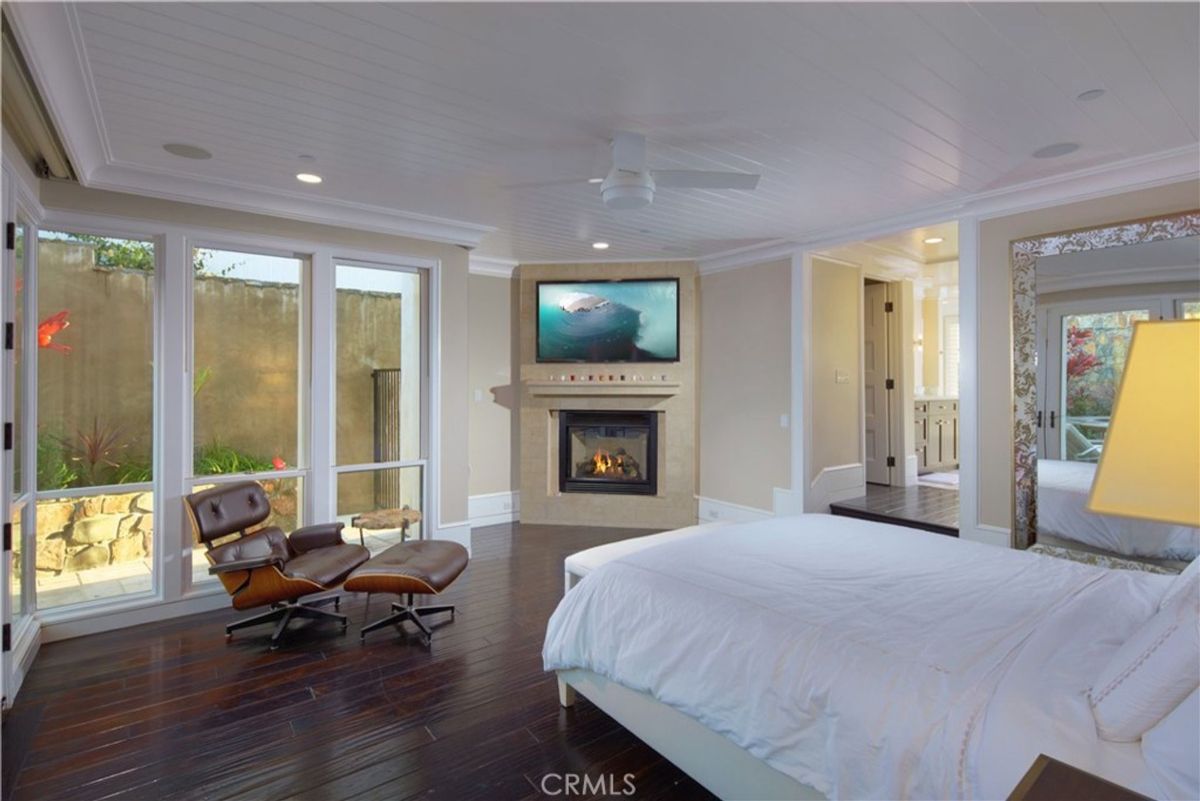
850, 112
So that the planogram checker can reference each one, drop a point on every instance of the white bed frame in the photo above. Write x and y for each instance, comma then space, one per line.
726, 769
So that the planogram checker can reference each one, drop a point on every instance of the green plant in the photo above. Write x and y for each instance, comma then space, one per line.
216, 459
200, 379
54, 472
137, 472
95, 451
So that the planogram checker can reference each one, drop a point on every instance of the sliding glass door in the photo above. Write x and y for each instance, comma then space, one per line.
95, 351
1085, 348
381, 369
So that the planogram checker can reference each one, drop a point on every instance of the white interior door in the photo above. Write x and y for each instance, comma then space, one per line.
875, 373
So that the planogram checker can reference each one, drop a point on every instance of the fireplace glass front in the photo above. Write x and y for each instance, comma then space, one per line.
608, 452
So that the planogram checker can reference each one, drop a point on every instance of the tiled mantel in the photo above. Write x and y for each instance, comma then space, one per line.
669, 389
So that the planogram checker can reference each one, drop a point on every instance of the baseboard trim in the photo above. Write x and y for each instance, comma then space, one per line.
493, 508
459, 531
837, 483
711, 509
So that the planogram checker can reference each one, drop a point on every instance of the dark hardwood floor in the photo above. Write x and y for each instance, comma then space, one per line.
927, 508
170, 711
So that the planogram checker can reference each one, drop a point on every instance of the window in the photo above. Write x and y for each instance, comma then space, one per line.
381, 364
246, 364
1188, 310
248, 378
950, 355
95, 396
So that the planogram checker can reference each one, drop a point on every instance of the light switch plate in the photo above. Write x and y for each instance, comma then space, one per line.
841, 377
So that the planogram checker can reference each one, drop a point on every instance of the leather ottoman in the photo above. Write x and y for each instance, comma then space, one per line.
423, 567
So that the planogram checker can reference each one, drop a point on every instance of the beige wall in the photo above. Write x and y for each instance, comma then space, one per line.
493, 416
745, 383
836, 346
931, 326
994, 354
454, 296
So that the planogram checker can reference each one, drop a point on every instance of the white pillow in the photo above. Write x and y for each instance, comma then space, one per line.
1153, 671
1180, 582
1172, 750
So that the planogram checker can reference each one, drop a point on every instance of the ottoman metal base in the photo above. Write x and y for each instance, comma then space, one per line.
406, 611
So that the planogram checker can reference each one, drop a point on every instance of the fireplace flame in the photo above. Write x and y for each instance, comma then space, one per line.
606, 464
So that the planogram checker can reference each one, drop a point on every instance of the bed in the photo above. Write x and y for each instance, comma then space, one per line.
1063, 519
829, 657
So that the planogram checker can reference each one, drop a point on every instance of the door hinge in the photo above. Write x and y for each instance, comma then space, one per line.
889, 384
8, 536
10, 236
891, 461
8, 436
7, 638
9, 336
888, 306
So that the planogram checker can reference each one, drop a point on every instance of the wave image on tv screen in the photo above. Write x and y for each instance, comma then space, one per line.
603, 321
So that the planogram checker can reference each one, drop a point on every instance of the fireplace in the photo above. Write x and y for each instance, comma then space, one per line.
613, 452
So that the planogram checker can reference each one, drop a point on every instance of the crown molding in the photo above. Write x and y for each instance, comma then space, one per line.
1128, 175
51, 40
630, 260
746, 256
255, 200
492, 266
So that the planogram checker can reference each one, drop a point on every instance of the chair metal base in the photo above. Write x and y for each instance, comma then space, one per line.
283, 613
406, 611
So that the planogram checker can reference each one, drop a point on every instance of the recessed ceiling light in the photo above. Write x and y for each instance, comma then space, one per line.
308, 178
934, 240
1055, 150
600, 245
1090, 94
187, 151
595, 180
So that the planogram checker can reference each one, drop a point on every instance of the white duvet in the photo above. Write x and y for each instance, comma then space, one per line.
1063, 489
865, 660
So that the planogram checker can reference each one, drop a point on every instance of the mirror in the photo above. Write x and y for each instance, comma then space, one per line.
1076, 299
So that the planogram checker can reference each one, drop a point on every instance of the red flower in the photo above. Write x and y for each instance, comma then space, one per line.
278, 463
49, 327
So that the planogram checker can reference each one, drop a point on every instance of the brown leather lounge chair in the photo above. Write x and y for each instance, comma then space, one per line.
265, 567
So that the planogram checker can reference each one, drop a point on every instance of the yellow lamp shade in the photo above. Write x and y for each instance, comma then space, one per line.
1150, 465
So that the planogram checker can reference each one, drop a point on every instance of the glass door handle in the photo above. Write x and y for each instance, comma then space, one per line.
1052, 419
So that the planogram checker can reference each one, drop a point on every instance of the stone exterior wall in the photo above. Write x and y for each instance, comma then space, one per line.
80, 533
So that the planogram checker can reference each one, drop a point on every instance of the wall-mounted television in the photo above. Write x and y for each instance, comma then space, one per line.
635, 320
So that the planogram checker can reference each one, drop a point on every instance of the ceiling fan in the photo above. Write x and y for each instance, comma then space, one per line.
631, 185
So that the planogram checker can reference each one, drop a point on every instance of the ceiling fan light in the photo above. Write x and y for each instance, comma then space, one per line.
623, 190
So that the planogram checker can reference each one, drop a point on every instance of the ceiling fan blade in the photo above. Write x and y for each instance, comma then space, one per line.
703, 179
629, 151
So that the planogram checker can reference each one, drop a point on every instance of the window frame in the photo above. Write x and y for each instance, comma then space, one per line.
427, 360
173, 431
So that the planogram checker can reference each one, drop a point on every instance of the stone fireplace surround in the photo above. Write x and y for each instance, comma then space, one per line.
668, 389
